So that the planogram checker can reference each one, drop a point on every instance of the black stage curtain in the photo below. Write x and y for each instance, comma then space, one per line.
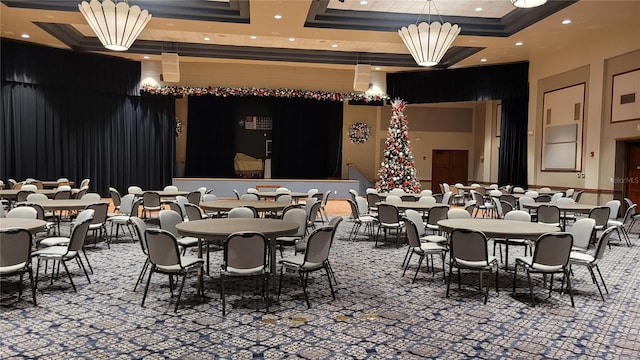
306, 137
67, 129
211, 144
509, 83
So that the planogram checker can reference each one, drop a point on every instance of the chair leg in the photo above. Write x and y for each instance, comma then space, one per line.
566, 275
88, 263
533, 299
146, 288
304, 277
142, 272
333, 294
222, 297
33, 287
68, 274
595, 281
184, 276
81, 264
418, 268
601, 278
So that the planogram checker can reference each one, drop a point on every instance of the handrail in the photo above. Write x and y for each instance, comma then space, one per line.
358, 174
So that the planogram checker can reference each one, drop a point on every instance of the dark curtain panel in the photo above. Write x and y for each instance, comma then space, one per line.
210, 134
509, 83
512, 156
306, 139
52, 130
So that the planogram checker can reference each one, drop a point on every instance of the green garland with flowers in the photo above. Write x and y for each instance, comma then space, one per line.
180, 91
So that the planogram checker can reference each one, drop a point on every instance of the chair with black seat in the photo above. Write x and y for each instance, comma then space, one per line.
15, 257
550, 256
389, 221
470, 207
421, 249
168, 221
245, 255
469, 252
66, 252
151, 202
165, 258
315, 258
591, 260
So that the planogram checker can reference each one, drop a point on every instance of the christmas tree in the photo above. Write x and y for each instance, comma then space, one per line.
397, 169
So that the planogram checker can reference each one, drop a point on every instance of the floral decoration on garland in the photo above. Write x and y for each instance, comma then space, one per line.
178, 127
359, 133
180, 91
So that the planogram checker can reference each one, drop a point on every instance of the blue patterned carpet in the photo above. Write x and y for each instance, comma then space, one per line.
378, 314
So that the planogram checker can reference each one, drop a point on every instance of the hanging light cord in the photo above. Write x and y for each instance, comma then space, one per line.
429, 12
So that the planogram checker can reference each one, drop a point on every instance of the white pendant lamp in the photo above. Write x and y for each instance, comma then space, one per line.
116, 25
429, 41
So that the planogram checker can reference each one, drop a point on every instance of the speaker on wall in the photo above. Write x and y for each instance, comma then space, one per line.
362, 77
170, 67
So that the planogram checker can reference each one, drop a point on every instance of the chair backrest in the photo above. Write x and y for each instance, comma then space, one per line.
408, 197
141, 229
416, 218
437, 213
162, 247
531, 193
518, 215
470, 206
447, 197
170, 188
495, 193
543, 198
312, 214
335, 221
284, 198
193, 211
85, 183
353, 194
252, 191
177, 208
194, 197
236, 193
62, 194
614, 206
91, 197
393, 199
37, 197
518, 190
581, 231
458, 214
150, 199
468, 245
115, 196
100, 214
479, 198
388, 214
555, 197
168, 221
628, 215
135, 208
603, 241
209, 197
577, 195
202, 190
283, 190
249, 197
548, 214
397, 191
628, 201
372, 199
126, 204
12, 183
426, 193
510, 199
325, 198
22, 212
362, 205
545, 188
565, 201
525, 200
84, 215
79, 231
23, 194
134, 189
497, 206
552, 251
29, 187
81, 192
427, 199
245, 251
506, 207
318, 246
241, 212
15, 247
601, 215
413, 231
39, 209
298, 216
569, 192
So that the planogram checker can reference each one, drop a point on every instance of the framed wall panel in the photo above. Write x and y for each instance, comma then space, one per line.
625, 98
563, 116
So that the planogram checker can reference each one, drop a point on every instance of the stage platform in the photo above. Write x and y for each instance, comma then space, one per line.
223, 187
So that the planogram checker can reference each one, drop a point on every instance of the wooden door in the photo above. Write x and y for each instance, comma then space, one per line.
450, 166
633, 172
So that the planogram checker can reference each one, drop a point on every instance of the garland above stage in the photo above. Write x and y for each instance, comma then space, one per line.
180, 91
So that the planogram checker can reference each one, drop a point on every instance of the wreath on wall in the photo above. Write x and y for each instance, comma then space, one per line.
359, 132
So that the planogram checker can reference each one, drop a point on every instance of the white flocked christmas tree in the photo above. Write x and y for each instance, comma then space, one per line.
397, 169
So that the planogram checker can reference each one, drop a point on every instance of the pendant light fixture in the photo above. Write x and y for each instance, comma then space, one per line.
116, 25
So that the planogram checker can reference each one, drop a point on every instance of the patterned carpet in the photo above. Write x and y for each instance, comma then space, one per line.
378, 314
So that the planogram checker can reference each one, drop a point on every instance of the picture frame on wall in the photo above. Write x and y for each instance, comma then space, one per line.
498, 119
625, 96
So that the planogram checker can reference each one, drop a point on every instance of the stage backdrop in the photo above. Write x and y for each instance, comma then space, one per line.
305, 135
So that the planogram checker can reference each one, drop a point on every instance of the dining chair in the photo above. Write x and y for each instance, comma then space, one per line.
389, 221
194, 197
123, 217
165, 258
550, 256
242, 212
359, 219
548, 214
15, 257
141, 230
22, 212
298, 216
591, 260
61, 254
245, 255
623, 227
116, 198
515, 215
63, 240
168, 221
99, 222
421, 249
315, 258
469, 252
436, 213
150, 202
582, 231
601, 215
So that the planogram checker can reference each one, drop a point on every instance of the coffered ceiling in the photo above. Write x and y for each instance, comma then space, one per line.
323, 33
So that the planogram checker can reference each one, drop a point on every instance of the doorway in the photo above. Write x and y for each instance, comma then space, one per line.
450, 166
632, 172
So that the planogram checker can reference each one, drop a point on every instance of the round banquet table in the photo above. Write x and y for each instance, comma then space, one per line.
33, 225
220, 229
498, 228
576, 207
273, 194
226, 205
163, 193
415, 205
66, 204
11, 194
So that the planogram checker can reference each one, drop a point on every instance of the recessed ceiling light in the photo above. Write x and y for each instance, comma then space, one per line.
483, 60
25, 36
334, 45
277, 16
206, 38
566, 22
292, 39
253, 37
478, 9
364, 2
146, 57
377, 68
519, 43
